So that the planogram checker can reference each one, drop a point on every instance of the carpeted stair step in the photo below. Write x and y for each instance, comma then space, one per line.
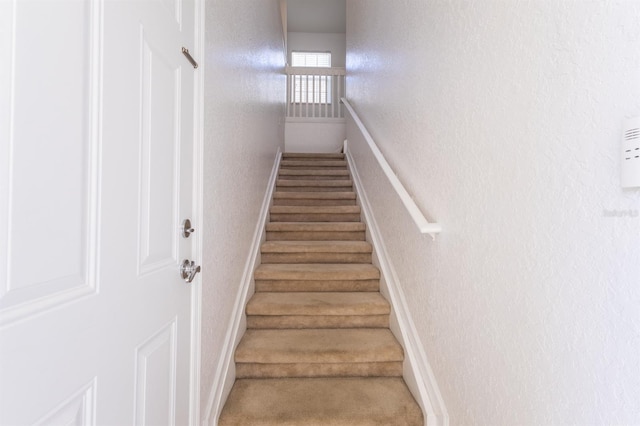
317, 277
317, 349
315, 231
314, 185
329, 174
317, 310
362, 352
321, 401
315, 198
316, 252
331, 183
315, 214
313, 164
299, 155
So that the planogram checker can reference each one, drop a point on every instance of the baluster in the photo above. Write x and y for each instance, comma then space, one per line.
299, 77
339, 93
326, 95
319, 96
307, 98
288, 95
333, 98
315, 101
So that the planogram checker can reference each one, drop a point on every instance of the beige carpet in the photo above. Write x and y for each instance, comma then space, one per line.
326, 402
318, 350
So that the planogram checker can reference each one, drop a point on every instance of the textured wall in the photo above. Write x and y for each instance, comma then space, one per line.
313, 136
244, 110
503, 119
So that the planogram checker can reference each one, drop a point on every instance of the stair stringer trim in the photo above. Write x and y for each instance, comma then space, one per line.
417, 371
225, 372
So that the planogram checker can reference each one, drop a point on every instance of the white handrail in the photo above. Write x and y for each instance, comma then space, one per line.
417, 216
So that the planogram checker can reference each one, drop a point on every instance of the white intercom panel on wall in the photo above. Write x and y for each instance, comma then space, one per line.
631, 153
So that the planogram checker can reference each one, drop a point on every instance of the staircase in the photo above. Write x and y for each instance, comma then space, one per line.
318, 349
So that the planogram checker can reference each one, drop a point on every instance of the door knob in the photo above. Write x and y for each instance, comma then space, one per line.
188, 270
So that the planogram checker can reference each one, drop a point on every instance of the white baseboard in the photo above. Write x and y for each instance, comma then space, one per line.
417, 371
225, 372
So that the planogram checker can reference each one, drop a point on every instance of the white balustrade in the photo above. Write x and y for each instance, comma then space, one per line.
315, 92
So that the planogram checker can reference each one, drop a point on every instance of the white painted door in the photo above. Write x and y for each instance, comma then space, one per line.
96, 133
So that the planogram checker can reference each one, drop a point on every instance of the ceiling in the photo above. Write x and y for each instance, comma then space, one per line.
316, 16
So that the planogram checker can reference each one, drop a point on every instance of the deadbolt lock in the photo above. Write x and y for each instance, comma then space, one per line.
187, 230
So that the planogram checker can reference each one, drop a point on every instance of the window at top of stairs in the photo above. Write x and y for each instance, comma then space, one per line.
311, 59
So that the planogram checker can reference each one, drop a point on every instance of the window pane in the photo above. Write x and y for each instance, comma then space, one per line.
311, 59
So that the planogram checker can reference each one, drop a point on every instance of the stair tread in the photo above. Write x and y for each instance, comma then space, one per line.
318, 303
302, 172
316, 226
313, 155
327, 195
315, 209
317, 321
314, 182
316, 247
317, 271
315, 162
318, 346
321, 401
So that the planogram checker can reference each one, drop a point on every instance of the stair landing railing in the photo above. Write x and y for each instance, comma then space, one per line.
315, 92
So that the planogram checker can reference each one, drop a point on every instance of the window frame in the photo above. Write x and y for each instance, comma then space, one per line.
311, 52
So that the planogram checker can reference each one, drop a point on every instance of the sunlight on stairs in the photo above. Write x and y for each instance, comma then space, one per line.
318, 349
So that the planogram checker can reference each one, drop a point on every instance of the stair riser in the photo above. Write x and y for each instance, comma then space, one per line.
312, 202
316, 258
311, 164
317, 273
314, 177
315, 236
314, 168
316, 321
314, 173
311, 217
272, 371
314, 182
350, 195
312, 156
314, 188
313, 285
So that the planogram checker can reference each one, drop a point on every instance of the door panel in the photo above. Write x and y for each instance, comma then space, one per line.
155, 378
160, 144
77, 410
58, 226
95, 179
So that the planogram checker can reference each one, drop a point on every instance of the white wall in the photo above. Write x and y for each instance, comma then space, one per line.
314, 135
244, 104
503, 119
319, 42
